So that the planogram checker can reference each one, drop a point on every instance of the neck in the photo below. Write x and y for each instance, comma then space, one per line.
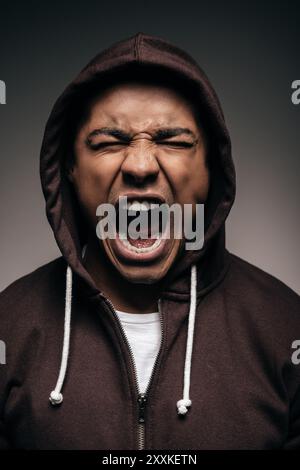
124, 295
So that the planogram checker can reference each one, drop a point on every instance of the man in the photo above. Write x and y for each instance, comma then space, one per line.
141, 343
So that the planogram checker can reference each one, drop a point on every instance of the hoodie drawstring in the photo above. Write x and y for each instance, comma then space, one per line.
185, 401
56, 396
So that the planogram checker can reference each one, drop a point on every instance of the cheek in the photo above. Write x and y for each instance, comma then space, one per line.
188, 177
92, 180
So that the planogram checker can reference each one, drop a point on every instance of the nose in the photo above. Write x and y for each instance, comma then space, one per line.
140, 166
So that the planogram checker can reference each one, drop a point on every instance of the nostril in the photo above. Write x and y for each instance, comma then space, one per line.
138, 179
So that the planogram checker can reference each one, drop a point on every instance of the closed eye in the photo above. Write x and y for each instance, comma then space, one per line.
102, 145
177, 143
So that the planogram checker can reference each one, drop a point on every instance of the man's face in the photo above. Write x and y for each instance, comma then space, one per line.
140, 141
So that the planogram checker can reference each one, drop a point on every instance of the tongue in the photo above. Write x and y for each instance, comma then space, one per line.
146, 241
141, 243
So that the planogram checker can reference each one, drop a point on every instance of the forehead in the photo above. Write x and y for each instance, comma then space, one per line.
136, 104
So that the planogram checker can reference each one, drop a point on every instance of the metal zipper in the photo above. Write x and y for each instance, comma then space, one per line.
142, 399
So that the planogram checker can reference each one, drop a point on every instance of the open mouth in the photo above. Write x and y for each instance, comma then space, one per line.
143, 236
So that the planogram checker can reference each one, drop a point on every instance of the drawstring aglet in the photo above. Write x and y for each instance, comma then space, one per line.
182, 406
55, 398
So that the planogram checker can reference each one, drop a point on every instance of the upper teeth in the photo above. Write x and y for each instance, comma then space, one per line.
139, 206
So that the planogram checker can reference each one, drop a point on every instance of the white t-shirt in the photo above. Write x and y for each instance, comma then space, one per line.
143, 331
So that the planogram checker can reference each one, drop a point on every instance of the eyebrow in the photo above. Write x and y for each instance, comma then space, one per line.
160, 134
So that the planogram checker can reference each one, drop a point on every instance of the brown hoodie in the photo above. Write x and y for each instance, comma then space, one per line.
239, 386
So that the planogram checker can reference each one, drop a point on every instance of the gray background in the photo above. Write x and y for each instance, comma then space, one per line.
250, 51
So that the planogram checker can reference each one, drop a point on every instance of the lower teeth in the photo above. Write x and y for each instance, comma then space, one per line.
135, 249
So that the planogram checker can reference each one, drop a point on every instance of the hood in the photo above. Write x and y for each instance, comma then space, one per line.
154, 54
194, 272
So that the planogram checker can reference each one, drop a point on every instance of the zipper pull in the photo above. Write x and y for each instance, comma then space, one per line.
142, 400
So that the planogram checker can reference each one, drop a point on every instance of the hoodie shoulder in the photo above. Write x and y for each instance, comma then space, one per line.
35, 276
266, 296
262, 279
31, 288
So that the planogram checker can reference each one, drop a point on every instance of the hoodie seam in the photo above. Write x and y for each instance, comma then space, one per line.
137, 43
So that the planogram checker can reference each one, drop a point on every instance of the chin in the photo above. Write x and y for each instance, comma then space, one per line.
142, 275
147, 272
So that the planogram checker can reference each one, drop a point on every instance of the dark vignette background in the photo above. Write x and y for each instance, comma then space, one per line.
250, 51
